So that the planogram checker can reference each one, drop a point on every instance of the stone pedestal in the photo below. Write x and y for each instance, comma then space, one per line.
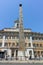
21, 55
9, 52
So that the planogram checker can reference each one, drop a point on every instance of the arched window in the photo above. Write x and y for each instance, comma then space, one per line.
40, 45
38, 52
13, 44
9, 44
35, 45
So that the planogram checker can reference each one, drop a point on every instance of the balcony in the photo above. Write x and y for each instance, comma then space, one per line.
11, 47
11, 40
14, 47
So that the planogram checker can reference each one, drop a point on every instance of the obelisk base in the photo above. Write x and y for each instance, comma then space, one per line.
21, 55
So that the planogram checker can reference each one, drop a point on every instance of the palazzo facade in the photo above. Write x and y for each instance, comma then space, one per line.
9, 43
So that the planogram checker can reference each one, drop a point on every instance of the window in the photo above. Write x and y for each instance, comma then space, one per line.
28, 37
17, 36
33, 45
42, 55
37, 45
1, 37
6, 44
25, 44
25, 37
9, 44
35, 56
41, 52
36, 38
13, 37
29, 44
17, 44
13, 44
34, 52
42, 38
38, 52
39, 38
40, 45
0, 44
32, 38
6, 37
9, 37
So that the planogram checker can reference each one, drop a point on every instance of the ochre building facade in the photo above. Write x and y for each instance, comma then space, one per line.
11, 38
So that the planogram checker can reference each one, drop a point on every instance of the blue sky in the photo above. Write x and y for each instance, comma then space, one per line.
32, 14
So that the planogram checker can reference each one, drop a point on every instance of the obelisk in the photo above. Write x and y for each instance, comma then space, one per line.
21, 33
21, 30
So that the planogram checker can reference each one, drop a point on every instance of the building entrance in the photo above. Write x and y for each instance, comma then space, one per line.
14, 53
2, 54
